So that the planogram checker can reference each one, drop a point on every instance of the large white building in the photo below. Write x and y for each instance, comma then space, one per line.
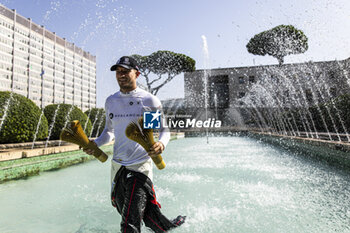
42, 66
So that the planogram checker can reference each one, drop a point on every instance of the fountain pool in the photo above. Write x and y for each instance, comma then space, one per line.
233, 184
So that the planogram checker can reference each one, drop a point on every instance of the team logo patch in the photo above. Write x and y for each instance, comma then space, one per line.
128, 175
151, 120
111, 115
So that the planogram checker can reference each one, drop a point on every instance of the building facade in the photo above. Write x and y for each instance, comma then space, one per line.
173, 104
229, 90
42, 66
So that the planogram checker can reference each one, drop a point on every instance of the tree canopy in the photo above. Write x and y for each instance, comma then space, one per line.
19, 119
278, 42
165, 65
58, 116
98, 121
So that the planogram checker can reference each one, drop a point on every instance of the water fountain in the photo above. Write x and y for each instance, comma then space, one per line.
98, 117
257, 188
272, 93
67, 120
337, 114
205, 79
262, 188
216, 105
6, 107
84, 128
37, 129
52, 125
99, 126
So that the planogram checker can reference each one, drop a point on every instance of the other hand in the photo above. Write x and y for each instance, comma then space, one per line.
156, 149
89, 151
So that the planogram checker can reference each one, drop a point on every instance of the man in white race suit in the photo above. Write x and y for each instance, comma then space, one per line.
132, 188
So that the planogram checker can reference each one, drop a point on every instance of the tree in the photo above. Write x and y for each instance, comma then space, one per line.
165, 65
97, 117
19, 119
278, 42
59, 115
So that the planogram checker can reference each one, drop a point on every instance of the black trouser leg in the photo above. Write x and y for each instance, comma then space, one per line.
133, 196
134, 206
154, 224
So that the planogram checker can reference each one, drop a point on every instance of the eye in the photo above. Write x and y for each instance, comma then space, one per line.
122, 72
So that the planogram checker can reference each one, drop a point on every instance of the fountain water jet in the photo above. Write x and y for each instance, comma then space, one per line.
93, 124
205, 79
337, 113
216, 105
67, 120
52, 125
100, 123
293, 92
88, 117
6, 108
37, 128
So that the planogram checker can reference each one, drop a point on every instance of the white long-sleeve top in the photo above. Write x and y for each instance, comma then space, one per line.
121, 109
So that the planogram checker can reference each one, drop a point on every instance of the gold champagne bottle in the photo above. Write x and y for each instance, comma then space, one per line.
144, 137
74, 133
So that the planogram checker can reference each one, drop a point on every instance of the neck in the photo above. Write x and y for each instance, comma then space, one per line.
125, 91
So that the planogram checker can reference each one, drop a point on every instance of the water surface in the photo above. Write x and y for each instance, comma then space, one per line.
232, 184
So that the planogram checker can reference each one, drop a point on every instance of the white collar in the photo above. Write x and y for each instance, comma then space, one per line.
130, 92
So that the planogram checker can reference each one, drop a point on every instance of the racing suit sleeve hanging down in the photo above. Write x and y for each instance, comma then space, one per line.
134, 190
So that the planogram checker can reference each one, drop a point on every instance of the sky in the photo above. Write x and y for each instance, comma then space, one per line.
110, 29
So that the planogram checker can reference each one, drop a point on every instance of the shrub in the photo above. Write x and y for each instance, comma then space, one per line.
65, 113
97, 117
22, 118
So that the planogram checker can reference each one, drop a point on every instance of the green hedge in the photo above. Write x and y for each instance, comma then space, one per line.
65, 113
22, 118
97, 117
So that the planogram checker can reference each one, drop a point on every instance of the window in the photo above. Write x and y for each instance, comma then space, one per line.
218, 91
5, 76
4, 66
241, 80
251, 79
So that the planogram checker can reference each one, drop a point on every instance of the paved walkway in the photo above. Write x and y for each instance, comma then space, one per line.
18, 153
